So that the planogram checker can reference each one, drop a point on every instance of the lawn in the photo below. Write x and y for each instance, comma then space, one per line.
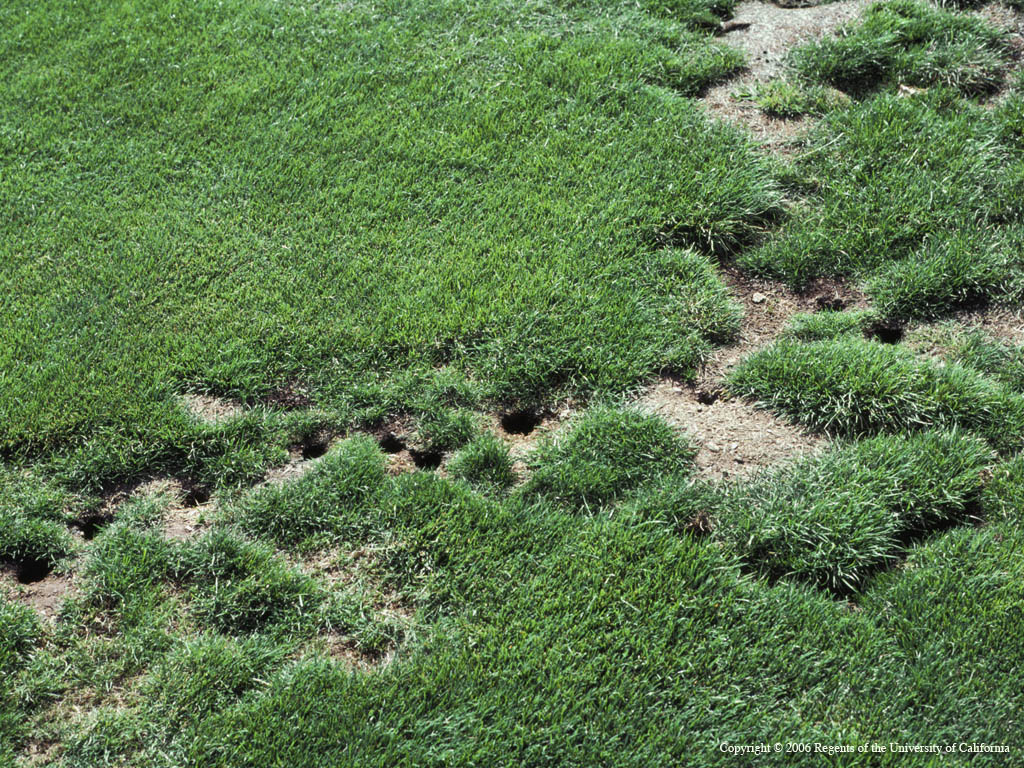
321, 335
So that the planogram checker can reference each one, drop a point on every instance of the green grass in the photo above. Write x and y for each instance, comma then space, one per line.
835, 519
904, 42
919, 197
605, 454
351, 218
288, 213
792, 98
852, 388
485, 463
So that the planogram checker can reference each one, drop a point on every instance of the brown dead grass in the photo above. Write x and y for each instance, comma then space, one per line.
210, 409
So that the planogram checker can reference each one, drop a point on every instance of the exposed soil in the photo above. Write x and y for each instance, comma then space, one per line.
767, 309
734, 437
210, 409
45, 595
765, 32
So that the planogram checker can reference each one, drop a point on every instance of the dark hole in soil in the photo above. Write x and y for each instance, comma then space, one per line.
886, 331
91, 525
708, 396
520, 422
830, 304
428, 459
392, 443
30, 571
314, 449
195, 493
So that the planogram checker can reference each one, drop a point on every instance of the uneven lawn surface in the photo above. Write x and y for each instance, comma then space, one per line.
485, 383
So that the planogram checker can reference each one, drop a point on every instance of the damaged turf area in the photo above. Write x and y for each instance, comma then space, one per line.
561, 383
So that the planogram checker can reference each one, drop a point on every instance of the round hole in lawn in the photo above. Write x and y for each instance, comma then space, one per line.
314, 449
428, 459
520, 422
392, 443
91, 525
195, 494
30, 571
886, 331
708, 396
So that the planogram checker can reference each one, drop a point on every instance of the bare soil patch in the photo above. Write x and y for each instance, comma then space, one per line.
734, 437
45, 595
765, 32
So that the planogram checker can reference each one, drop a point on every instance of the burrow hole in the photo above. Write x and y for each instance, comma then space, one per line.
521, 422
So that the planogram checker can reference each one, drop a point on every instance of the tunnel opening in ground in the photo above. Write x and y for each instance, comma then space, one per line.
521, 422
427, 459
31, 570
886, 331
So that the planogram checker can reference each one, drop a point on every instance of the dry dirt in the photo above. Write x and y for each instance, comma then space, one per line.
765, 32
45, 596
734, 437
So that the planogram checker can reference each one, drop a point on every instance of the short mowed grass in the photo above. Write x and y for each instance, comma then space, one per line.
371, 227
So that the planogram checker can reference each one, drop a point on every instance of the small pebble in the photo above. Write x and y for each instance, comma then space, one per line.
759, 298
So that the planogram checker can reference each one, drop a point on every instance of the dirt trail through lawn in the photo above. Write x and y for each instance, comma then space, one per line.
766, 32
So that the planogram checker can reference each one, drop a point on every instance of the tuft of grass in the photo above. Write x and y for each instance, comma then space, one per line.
833, 520
955, 607
912, 43
828, 325
921, 197
485, 463
322, 503
446, 430
961, 270
851, 387
604, 454
203, 674
240, 587
1004, 493
993, 357
793, 98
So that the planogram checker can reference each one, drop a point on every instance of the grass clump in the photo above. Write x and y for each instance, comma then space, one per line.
833, 520
828, 325
606, 453
954, 610
908, 42
793, 98
485, 463
445, 430
34, 515
918, 196
993, 357
323, 503
961, 270
851, 388
203, 674
240, 587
